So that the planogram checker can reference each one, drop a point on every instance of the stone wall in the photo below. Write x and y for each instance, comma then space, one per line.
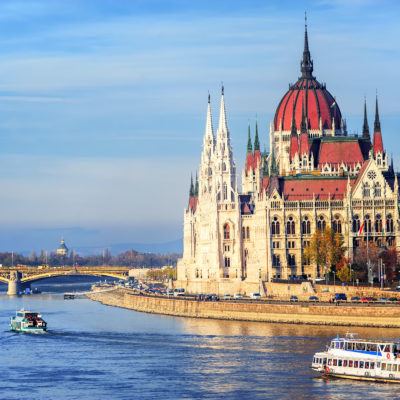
314, 314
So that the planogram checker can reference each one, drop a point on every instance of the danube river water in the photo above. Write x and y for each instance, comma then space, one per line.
99, 352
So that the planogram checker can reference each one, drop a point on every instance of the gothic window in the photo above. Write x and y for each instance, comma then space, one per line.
306, 226
243, 232
248, 233
389, 223
378, 223
276, 261
290, 226
227, 233
337, 224
366, 190
356, 224
227, 262
275, 226
378, 190
210, 171
390, 242
291, 260
223, 167
246, 254
321, 224
225, 192
367, 226
371, 175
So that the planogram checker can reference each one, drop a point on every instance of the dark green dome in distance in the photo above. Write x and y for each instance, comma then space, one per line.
62, 248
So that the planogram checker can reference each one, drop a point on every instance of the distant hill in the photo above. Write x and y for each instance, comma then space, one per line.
117, 248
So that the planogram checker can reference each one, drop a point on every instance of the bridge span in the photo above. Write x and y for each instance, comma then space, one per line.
18, 278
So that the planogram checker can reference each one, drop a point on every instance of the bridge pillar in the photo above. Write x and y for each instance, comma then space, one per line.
14, 283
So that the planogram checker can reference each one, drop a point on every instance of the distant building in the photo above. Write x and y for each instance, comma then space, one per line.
62, 248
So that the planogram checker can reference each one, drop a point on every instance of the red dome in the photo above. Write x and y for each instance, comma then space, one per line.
318, 103
308, 92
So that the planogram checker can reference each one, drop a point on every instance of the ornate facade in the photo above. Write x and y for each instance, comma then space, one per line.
315, 175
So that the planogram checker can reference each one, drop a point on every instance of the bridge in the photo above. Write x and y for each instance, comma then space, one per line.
19, 278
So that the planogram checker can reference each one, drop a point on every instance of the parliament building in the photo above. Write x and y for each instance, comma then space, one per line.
315, 175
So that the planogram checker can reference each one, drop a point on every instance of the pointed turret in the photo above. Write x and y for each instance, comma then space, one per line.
223, 126
306, 64
191, 190
209, 132
249, 144
304, 149
249, 155
256, 140
273, 169
196, 187
377, 142
365, 132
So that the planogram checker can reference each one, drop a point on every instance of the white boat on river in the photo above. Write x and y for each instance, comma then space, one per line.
360, 359
28, 322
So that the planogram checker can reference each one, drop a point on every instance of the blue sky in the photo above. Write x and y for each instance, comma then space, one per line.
102, 103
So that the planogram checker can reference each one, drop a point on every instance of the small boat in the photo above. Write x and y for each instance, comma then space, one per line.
360, 359
28, 321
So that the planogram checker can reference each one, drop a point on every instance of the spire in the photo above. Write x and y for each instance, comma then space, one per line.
273, 163
249, 145
209, 126
294, 140
256, 140
306, 63
365, 133
294, 128
223, 126
191, 191
196, 187
377, 123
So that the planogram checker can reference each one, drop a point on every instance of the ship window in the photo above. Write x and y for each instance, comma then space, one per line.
324, 361
337, 345
388, 367
394, 367
339, 363
383, 367
329, 361
372, 365
350, 363
341, 345
334, 363
366, 364
387, 348
355, 364
361, 364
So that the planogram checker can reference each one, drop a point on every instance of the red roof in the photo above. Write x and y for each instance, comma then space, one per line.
304, 147
377, 143
193, 201
256, 159
360, 173
294, 146
305, 189
249, 162
317, 102
336, 152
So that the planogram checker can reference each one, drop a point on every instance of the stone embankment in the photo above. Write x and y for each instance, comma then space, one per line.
312, 314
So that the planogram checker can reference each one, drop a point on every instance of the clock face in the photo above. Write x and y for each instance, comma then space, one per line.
371, 175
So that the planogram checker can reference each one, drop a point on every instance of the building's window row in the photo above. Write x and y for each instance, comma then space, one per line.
245, 232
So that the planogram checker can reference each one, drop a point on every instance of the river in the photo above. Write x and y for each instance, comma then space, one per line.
92, 351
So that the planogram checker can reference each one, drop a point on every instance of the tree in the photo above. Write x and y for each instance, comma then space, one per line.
325, 249
344, 273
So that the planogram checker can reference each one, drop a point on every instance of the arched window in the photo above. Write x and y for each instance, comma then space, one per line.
275, 226
290, 226
306, 226
378, 223
223, 166
321, 224
366, 190
227, 232
248, 233
367, 226
291, 260
225, 192
389, 223
243, 232
276, 261
227, 262
356, 223
337, 224
246, 254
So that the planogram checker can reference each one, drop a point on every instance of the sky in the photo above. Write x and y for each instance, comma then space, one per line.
103, 102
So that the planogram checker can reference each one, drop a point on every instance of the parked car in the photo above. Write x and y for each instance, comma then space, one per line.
394, 299
179, 292
294, 298
227, 297
313, 298
366, 299
340, 297
383, 300
319, 279
255, 296
355, 299
237, 296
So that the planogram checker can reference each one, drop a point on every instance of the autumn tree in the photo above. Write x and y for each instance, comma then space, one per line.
325, 249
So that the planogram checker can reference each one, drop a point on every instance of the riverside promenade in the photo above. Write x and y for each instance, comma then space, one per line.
387, 316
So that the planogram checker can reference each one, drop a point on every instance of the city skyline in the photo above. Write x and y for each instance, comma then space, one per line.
103, 107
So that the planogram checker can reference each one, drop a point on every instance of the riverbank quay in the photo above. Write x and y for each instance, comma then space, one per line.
382, 316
